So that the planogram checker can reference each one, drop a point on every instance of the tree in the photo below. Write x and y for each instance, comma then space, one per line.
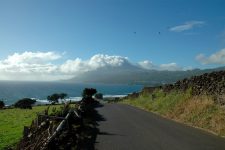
99, 96
55, 97
62, 95
25, 103
2, 104
87, 101
89, 92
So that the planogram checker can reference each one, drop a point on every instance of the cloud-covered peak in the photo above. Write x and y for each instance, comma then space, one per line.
101, 60
95, 62
43, 66
187, 26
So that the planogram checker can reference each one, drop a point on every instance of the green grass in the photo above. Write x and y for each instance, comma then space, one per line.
199, 111
159, 101
12, 122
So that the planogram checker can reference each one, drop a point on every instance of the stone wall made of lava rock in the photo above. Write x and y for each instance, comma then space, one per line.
212, 84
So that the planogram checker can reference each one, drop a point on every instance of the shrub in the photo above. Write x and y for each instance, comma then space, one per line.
54, 98
62, 95
87, 95
2, 104
99, 96
89, 92
25, 103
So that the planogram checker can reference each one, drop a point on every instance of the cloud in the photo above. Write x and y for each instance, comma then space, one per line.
187, 26
101, 60
170, 67
216, 58
95, 62
29, 66
73, 66
40, 66
32, 58
151, 66
146, 64
29, 62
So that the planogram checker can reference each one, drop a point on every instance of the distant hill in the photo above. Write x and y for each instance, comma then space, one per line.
136, 75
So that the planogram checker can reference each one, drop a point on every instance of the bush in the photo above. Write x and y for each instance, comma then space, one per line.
54, 98
87, 95
25, 103
99, 96
2, 104
89, 92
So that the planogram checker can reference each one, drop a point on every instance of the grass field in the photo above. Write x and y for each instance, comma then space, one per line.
12, 122
198, 111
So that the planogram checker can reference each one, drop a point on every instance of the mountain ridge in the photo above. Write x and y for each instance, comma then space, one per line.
121, 75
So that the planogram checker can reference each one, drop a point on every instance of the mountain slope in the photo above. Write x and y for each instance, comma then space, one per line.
136, 75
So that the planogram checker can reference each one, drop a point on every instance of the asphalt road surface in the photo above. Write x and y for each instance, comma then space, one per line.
129, 128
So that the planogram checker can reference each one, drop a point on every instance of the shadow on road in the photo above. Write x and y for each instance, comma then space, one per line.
90, 128
112, 134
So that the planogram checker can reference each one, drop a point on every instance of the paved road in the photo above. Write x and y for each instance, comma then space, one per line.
129, 128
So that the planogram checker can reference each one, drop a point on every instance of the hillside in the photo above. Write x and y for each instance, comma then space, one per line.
137, 76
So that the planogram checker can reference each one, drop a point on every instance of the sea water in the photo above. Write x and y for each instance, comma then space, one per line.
10, 91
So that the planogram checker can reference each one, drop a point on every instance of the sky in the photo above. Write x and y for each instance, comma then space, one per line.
55, 39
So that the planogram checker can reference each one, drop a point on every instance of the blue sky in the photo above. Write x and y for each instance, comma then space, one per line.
183, 32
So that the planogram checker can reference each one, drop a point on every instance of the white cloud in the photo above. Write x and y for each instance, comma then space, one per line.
73, 66
101, 60
29, 62
39, 66
216, 58
150, 66
170, 67
146, 64
187, 26
95, 62
29, 66
31, 58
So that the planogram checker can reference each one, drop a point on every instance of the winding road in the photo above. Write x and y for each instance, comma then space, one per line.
129, 128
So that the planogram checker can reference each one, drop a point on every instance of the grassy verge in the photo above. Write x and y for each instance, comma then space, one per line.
12, 122
198, 111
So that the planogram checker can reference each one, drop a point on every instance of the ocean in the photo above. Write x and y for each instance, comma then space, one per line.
10, 91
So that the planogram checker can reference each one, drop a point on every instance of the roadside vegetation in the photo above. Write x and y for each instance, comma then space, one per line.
2, 104
19, 120
199, 111
12, 122
72, 127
